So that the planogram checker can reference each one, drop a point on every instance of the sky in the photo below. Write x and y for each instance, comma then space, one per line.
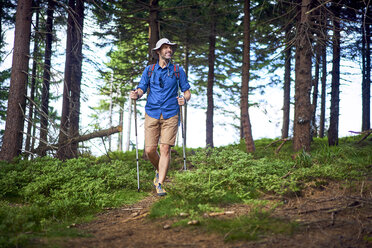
265, 118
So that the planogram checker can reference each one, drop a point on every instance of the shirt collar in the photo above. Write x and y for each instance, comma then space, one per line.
170, 65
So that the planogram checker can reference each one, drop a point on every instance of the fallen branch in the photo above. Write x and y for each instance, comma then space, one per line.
332, 209
366, 134
80, 138
272, 143
277, 150
289, 172
136, 218
281, 145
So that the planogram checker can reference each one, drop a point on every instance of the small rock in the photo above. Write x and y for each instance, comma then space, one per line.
193, 222
205, 215
167, 226
72, 225
184, 214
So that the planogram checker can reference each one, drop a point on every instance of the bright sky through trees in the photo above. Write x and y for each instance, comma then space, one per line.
266, 118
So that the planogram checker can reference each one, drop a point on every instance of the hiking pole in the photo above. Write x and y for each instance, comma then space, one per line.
183, 139
135, 131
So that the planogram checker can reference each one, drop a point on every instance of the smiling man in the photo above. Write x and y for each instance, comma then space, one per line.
163, 80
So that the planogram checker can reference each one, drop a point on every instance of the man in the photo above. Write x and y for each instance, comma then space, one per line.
162, 108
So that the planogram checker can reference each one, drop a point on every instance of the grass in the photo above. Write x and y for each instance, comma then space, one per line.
249, 227
227, 175
40, 198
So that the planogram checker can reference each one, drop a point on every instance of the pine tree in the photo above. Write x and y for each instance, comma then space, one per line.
12, 141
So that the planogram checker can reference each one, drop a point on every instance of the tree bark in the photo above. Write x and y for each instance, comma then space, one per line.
211, 61
12, 140
121, 123
66, 84
110, 111
153, 29
72, 82
301, 134
46, 75
76, 75
335, 92
129, 124
244, 103
287, 85
33, 77
315, 90
323, 94
366, 71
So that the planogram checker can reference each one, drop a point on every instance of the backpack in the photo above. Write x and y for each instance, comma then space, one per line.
176, 71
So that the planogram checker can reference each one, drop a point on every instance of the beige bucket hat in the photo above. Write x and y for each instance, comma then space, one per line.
162, 42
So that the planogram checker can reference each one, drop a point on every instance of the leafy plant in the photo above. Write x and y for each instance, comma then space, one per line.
40, 192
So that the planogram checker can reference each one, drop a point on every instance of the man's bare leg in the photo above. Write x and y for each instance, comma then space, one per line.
153, 155
163, 162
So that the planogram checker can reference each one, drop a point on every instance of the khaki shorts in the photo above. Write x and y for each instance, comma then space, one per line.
164, 130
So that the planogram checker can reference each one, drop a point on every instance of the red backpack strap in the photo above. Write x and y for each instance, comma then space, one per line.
177, 71
151, 69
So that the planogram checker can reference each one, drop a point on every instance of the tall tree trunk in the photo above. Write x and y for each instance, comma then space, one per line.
315, 90
323, 94
335, 92
30, 123
287, 85
121, 122
72, 82
211, 61
153, 29
129, 124
46, 78
301, 134
76, 75
244, 105
63, 133
110, 113
12, 140
366, 71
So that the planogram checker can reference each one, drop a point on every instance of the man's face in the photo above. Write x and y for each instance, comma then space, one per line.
165, 52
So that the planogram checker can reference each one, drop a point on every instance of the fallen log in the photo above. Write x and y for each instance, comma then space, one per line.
365, 134
80, 138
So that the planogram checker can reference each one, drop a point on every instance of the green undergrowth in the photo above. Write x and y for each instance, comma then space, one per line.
225, 175
39, 198
249, 227
43, 197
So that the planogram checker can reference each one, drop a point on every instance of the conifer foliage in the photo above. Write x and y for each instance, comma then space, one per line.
230, 50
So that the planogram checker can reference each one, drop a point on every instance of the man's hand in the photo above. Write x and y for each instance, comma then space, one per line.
136, 94
181, 100
184, 99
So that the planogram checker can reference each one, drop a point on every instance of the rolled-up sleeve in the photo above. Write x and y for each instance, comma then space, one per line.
184, 85
144, 82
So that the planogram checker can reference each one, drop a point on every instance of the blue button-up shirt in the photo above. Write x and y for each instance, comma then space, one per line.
163, 100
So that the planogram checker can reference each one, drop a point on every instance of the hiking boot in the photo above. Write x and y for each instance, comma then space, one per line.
156, 179
160, 191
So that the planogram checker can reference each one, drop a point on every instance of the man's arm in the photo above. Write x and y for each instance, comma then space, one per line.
187, 95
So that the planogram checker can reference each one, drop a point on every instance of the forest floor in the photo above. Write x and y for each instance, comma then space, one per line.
333, 215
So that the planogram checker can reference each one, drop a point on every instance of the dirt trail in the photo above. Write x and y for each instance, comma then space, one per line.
129, 227
329, 216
